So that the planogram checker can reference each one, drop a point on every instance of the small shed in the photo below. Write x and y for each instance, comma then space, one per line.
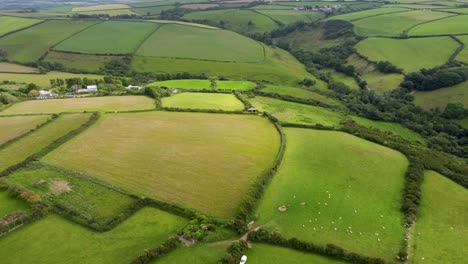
252, 110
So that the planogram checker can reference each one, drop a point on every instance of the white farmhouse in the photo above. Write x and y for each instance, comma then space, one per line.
92, 88
43, 94
135, 87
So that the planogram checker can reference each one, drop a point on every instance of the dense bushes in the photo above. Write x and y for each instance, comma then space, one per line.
235, 252
427, 80
153, 253
387, 67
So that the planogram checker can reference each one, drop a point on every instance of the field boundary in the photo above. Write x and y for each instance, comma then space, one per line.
146, 38
429, 21
72, 35
458, 50
352, 20
13, 140
21, 29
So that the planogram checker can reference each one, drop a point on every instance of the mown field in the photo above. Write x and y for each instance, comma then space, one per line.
92, 201
463, 55
208, 101
295, 113
235, 85
107, 38
30, 44
176, 161
9, 24
56, 240
12, 127
83, 62
43, 80
184, 84
103, 104
178, 41
394, 24
367, 13
6, 67
409, 54
441, 229
41, 138
446, 26
10, 205
328, 182
441, 97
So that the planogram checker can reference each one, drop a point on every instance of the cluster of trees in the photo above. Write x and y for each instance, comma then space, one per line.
235, 252
198, 228
387, 67
427, 80
152, 253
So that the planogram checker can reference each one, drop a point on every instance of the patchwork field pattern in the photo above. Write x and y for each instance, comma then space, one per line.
235, 85
43, 79
12, 127
367, 13
441, 97
83, 62
208, 101
9, 24
298, 93
184, 84
446, 26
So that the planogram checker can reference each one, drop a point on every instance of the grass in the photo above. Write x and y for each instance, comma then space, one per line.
179, 41
292, 16
263, 253
43, 80
300, 93
92, 201
99, 7
463, 55
201, 161
184, 84
235, 85
343, 78
393, 128
35, 142
9, 24
113, 12
457, 10
334, 174
16, 68
441, 97
102, 104
10, 205
381, 82
450, 25
197, 254
288, 112
55, 240
30, 44
394, 24
181, 23
409, 54
153, 10
367, 13
215, 101
236, 20
76, 61
441, 227
107, 38
12, 127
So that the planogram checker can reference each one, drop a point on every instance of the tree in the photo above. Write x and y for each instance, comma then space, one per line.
454, 111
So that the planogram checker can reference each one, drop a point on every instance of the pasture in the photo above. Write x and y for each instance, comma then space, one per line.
12, 127
235, 85
7, 67
110, 12
343, 78
179, 41
296, 113
9, 24
463, 55
201, 161
441, 230
409, 54
99, 7
184, 84
43, 80
367, 13
30, 44
441, 97
56, 240
446, 26
394, 24
381, 82
10, 205
107, 38
300, 93
292, 16
102, 104
263, 253
92, 201
183, 23
77, 61
328, 182
41, 138
207, 101
152, 10
200, 253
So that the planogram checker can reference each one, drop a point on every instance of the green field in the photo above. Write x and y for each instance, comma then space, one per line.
182, 23
112, 12
178, 41
184, 84
10, 205
343, 78
12, 127
441, 229
441, 97
262, 253
107, 38
393, 128
381, 82
16, 68
76, 61
329, 182
94, 202
30, 44
394, 24
153, 10
201, 161
446, 26
236, 20
99, 7
409, 54
208, 101
235, 85
35, 142
295, 113
9, 24
457, 10
43, 79
197, 254
367, 13
103, 104
300, 93
292, 16
56, 240
463, 55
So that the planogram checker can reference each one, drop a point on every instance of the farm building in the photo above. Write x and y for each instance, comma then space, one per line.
43, 94
134, 87
88, 89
